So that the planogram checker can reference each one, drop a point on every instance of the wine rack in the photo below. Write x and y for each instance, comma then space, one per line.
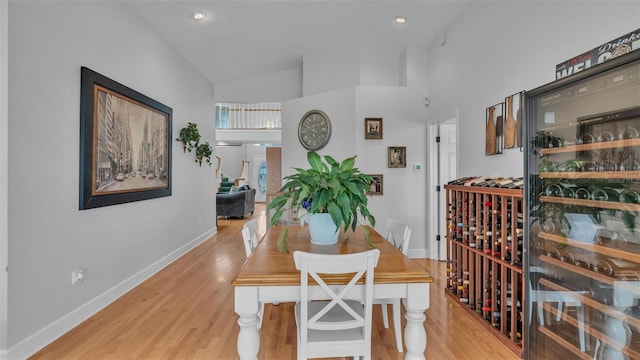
485, 240
583, 215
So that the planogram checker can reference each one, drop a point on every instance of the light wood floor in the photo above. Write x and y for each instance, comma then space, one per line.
186, 312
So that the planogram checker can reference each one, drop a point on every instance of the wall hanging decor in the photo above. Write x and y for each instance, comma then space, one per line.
373, 128
494, 129
376, 185
397, 157
190, 138
125, 147
513, 121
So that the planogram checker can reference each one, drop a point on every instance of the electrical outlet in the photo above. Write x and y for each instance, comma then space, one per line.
77, 276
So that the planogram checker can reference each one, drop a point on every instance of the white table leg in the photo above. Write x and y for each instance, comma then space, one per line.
415, 336
246, 305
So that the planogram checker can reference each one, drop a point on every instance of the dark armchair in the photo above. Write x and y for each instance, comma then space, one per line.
238, 204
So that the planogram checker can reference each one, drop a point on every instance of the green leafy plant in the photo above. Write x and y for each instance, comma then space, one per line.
189, 136
338, 189
204, 152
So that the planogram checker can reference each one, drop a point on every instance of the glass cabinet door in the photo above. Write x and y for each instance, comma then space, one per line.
582, 266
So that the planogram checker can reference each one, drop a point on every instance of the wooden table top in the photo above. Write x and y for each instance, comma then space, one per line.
268, 266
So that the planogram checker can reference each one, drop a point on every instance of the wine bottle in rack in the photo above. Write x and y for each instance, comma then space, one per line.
570, 166
496, 319
627, 241
582, 193
474, 180
508, 249
550, 226
628, 133
497, 245
605, 194
629, 165
517, 257
488, 242
618, 268
629, 196
585, 260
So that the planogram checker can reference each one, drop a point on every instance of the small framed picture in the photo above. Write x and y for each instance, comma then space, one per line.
373, 128
376, 185
397, 156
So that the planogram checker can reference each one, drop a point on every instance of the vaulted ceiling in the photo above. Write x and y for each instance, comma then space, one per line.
240, 39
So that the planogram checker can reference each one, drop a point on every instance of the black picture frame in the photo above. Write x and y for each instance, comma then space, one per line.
125, 144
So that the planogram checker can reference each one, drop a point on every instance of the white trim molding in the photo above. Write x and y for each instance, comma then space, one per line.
4, 177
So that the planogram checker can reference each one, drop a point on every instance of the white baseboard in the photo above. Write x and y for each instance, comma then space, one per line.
417, 253
49, 333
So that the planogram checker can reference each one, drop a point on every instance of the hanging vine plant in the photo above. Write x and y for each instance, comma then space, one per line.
189, 136
204, 152
190, 139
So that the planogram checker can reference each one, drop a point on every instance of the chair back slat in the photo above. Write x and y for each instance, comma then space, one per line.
249, 237
399, 235
312, 267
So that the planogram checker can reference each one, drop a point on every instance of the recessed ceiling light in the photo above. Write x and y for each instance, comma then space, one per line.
199, 15
400, 19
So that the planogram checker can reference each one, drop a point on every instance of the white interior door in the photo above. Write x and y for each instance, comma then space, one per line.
447, 165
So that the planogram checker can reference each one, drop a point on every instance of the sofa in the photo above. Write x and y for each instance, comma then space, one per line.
237, 204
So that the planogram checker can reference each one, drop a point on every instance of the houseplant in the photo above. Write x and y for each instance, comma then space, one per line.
189, 137
327, 187
204, 152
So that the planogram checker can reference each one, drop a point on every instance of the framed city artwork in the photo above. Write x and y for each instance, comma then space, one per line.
125, 144
397, 156
373, 128
376, 185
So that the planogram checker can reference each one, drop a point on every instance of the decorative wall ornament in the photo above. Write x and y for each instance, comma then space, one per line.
376, 185
494, 125
397, 156
373, 128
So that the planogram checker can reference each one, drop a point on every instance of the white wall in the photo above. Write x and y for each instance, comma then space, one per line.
404, 118
339, 105
330, 69
274, 87
379, 68
499, 48
404, 190
48, 236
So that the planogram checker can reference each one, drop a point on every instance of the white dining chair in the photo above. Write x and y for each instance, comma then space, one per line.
250, 240
563, 299
342, 326
249, 237
399, 235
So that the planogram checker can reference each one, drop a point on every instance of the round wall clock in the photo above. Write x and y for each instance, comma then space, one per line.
314, 130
